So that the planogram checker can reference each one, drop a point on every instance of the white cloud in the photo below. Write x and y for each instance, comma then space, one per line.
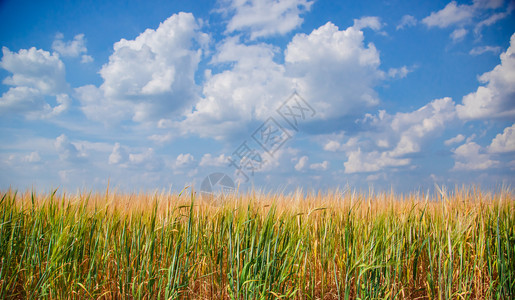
470, 156
216, 161
455, 140
21, 99
66, 150
118, 155
492, 19
400, 73
375, 177
483, 49
373, 23
147, 160
359, 161
184, 160
407, 21
495, 100
86, 59
332, 145
35, 74
161, 138
282, 158
449, 15
488, 3
415, 126
504, 142
31, 103
85, 145
34, 68
458, 34
32, 157
96, 107
63, 104
263, 18
320, 166
15, 159
140, 158
334, 68
150, 76
72, 48
301, 164
394, 137
164, 123
185, 163
251, 90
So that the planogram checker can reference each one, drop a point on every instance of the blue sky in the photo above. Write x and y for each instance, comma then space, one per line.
160, 94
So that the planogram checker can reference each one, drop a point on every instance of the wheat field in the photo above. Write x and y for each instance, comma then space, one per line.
457, 244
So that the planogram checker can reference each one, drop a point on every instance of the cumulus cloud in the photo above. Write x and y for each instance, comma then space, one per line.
251, 90
36, 74
36, 69
67, 151
391, 138
373, 23
72, 48
301, 164
336, 69
263, 18
185, 163
451, 14
161, 138
118, 155
415, 126
184, 160
335, 143
213, 161
504, 142
320, 166
406, 21
146, 160
140, 158
495, 100
373, 161
96, 107
400, 73
86, 59
21, 99
332, 145
63, 103
332, 69
470, 156
150, 76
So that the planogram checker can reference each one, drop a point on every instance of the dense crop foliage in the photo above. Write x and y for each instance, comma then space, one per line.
258, 246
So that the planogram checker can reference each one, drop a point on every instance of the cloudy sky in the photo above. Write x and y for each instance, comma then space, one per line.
276, 94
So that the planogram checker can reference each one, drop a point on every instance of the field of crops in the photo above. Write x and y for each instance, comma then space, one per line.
340, 245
